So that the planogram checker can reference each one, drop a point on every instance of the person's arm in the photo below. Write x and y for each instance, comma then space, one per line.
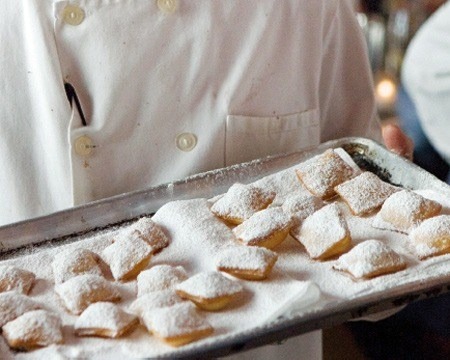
426, 75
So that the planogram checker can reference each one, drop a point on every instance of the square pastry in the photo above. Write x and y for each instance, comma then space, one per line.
432, 237
209, 290
246, 262
320, 174
178, 324
404, 210
325, 233
369, 259
266, 228
240, 202
365, 193
127, 256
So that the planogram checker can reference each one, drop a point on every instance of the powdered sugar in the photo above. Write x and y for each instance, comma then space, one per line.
245, 258
209, 285
12, 278
369, 257
160, 277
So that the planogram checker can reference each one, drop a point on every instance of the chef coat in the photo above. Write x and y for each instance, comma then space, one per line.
426, 76
102, 97
167, 89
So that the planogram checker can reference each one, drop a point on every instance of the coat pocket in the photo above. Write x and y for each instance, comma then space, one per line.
249, 137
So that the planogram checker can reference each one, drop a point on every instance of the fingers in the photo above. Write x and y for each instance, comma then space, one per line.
397, 141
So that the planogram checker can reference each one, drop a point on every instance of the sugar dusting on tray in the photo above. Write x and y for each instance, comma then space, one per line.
197, 236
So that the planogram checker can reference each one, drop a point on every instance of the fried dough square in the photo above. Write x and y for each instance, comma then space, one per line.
153, 300
76, 262
266, 228
127, 256
14, 304
404, 210
240, 202
160, 277
13, 278
105, 319
148, 230
209, 290
365, 193
432, 237
325, 233
320, 174
246, 262
369, 259
33, 329
178, 324
80, 291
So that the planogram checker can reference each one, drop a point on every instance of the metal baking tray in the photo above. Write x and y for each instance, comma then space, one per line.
70, 225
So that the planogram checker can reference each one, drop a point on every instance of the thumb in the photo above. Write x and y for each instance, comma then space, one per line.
397, 141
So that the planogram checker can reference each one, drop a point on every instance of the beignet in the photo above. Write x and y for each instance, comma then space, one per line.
266, 228
432, 237
240, 202
149, 231
320, 174
365, 193
369, 259
34, 329
80, 291
325, 233
76, 262
13, 278
14, 304
160, 277
209, 290
105, 319
246, 262
404, 210
127, 257
178, 324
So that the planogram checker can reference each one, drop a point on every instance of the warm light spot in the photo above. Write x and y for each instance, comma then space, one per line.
386, 90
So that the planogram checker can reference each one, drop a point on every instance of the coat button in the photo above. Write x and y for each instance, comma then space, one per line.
186, 141
73, 15
84, 146
168, 6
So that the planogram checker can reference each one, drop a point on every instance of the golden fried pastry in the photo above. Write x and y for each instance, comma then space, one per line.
12, 278
14, 304
127, 257
365, 193
432, 237
246, 262
325, 233
149, 231
209, 290
34, 329
404, 210
160, 277
266, 228
240, 202
178, 324
76, 262
153, 300
80, 291
300, 205
369, 259
105, 319
323, 172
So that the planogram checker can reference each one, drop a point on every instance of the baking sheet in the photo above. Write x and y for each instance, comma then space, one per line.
103, 216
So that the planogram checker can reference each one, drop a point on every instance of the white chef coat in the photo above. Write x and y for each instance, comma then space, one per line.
168, 89
426, 75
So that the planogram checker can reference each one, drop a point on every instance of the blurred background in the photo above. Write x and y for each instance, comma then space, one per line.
389, 25
422, 329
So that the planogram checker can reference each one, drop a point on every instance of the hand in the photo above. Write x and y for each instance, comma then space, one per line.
397, 141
